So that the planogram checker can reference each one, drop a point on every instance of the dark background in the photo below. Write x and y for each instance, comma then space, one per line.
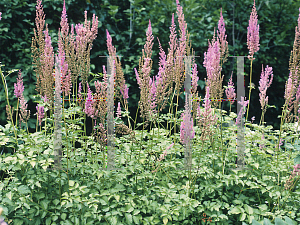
277, 20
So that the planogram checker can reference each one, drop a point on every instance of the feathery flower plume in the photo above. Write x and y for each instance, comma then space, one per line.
295, 172
289, 92
144, 79
89, 109
230, 91
65, 73
264, 84
244, 104
206, 117
64, 22
19, 87
297, 100
40, 113
45, 99
125, 93
181, 49
162, 156
0, 15
47, 62
253, 34
213, 70
222, 38
186, 128
119, 110
79, 92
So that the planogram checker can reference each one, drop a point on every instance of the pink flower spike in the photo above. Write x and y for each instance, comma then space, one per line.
186, 129
221, 35
64, 22
230, 91
195, 78
125, 93
119, 110
244, 104
264, 84
137, 77
45, 99
0, 15
19, 87
40, 113
149, 44
89, 109
253, 34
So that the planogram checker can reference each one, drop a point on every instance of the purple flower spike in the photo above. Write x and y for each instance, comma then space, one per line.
264, 84
244, 104
40, 113
186, 129
125, 93
89, 109
119, 110
64, 22
19, 87
230, 91
253, 34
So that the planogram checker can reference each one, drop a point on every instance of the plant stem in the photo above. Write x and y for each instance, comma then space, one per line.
249, 90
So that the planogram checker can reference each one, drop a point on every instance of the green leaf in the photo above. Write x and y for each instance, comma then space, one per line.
279, 221
254, 222
136, 219
128, 218
297, 159
23, 190
48, 221
128, 208
235, 210
55, 201
248, 209
71, 183
114, 220
63, 216
289, 221
44, 204
267, 222
44, 214
243, 216
165, 220
9, 195
18, 222
117, 197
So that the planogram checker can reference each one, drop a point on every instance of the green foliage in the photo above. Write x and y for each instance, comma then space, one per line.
143, 189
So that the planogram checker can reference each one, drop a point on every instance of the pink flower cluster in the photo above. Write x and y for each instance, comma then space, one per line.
253, 34
186, 128
212, 62
89, 109
230, 91
0, 15
40, 113
18, 91
244, 104
264, 84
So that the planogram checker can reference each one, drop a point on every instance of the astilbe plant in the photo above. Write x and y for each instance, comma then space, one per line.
253, 44
264, 84
230, 92
72, 185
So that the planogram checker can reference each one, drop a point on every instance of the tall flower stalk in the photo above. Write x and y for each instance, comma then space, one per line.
264, 84
230, 92
253, 44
